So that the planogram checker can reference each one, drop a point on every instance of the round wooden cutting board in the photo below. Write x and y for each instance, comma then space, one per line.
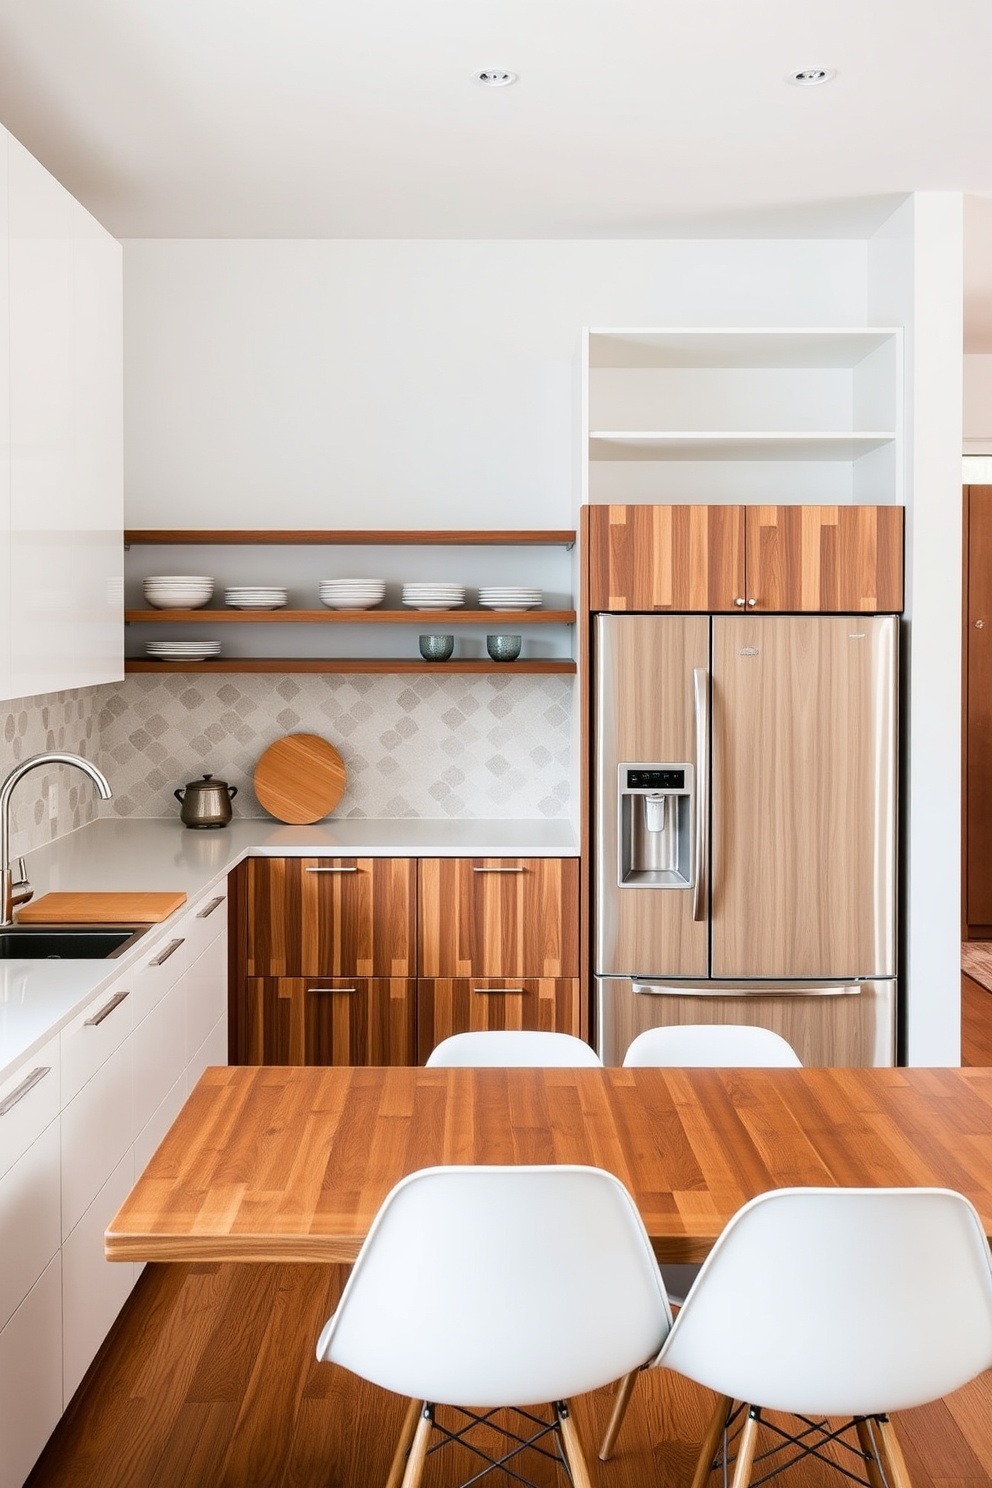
300, 778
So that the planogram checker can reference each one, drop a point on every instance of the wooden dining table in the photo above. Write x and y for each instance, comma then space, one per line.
291, 1164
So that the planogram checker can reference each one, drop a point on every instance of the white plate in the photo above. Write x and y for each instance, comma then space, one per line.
437, 604
508, 605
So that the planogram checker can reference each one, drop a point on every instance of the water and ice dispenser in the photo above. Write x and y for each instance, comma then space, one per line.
655, 817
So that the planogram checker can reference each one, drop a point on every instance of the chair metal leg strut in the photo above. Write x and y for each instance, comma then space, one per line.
560, 1429
877, 1459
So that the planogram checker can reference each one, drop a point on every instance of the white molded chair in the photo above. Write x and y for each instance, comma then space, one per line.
695, 1045
518, 1048
499, 1286
814, 1302
689, 1045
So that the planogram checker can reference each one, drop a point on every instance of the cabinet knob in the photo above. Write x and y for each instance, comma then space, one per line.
751, 603
739, 603
979, 624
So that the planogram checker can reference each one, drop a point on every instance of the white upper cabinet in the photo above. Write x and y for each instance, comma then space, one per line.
63, 309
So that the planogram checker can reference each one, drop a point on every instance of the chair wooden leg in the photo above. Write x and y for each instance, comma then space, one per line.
574, 1454
898, 1472
869, 1444
624, 1391
745, 1451
410, 1420
418, 1450
707, 1452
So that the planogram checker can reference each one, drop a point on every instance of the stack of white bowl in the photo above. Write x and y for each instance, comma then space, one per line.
436, 596
352, 594
254, 597
182, 650
510, 597
178, 591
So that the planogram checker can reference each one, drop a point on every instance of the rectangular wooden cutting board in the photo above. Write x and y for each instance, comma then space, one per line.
100, 909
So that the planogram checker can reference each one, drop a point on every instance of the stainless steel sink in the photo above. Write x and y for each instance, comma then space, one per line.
66, 942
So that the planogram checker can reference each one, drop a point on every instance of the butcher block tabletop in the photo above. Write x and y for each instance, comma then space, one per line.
291, 1164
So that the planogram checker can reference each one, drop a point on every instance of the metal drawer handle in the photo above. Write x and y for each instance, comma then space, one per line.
331, 870
214, 904
170, 948
332, 989
21, 1091
499, 991
499, 870
106, 1010
739, 990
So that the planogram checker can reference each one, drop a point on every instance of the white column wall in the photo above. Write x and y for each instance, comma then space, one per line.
915, 278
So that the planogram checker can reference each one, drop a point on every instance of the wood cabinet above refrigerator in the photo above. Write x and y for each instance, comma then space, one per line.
763, 559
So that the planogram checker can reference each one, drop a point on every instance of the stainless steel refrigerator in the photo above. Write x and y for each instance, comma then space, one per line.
745, 817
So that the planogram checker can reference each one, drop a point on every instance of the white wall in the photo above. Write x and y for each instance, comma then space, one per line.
977, 404
408, 384
915, 279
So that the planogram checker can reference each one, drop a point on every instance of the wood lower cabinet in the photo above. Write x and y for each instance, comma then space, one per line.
332, 1020
806, 559
492, 917
455, 944
448, 1005
327, 917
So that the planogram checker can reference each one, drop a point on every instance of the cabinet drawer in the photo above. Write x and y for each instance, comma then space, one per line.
332, 1020
97, 1130
93, 1035
30, 1219
29, 1100
201, 925
213, 1050
93, 1289
447, 1005
31, 1370
331, 917
492, 917
158, 1053
206, 993
157, 972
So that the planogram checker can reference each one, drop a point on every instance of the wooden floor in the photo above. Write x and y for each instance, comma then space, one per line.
209, 1381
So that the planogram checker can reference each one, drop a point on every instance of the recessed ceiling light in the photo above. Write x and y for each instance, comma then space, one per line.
811, 77
495, 77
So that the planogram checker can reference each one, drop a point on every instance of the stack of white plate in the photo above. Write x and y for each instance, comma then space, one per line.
178, 591
352, 594
509, 597
182, 650
433, 596
254, 597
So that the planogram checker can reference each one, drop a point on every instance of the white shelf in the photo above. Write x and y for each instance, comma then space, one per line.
718, 444
717, 346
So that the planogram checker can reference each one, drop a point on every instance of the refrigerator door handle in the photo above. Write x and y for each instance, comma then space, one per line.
701, 701
717, 989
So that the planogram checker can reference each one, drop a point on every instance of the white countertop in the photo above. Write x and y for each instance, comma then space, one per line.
37, 998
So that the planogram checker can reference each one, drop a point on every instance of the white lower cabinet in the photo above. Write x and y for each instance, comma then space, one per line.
78, 1121
93, 1289
97, 1130
30, 1219
31, 1371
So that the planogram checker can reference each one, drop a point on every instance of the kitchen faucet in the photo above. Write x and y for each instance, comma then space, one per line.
17, 890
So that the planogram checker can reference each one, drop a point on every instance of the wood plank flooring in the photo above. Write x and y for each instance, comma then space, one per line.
209, 1381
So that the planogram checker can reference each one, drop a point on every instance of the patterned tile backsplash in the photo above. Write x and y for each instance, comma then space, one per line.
417, 745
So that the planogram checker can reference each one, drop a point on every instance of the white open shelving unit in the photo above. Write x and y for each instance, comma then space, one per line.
794, 415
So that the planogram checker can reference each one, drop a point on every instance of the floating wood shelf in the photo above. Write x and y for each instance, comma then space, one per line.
495, 619
375, 537
330, 664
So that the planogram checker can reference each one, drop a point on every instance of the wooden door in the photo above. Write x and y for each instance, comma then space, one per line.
332, 1020
824, 559
977, 826
447, 1005
331, 917
662, 558
495, 917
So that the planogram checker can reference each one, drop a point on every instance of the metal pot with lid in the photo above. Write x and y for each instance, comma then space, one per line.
206, 802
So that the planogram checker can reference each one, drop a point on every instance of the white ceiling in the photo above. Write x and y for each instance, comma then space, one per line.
630, 119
